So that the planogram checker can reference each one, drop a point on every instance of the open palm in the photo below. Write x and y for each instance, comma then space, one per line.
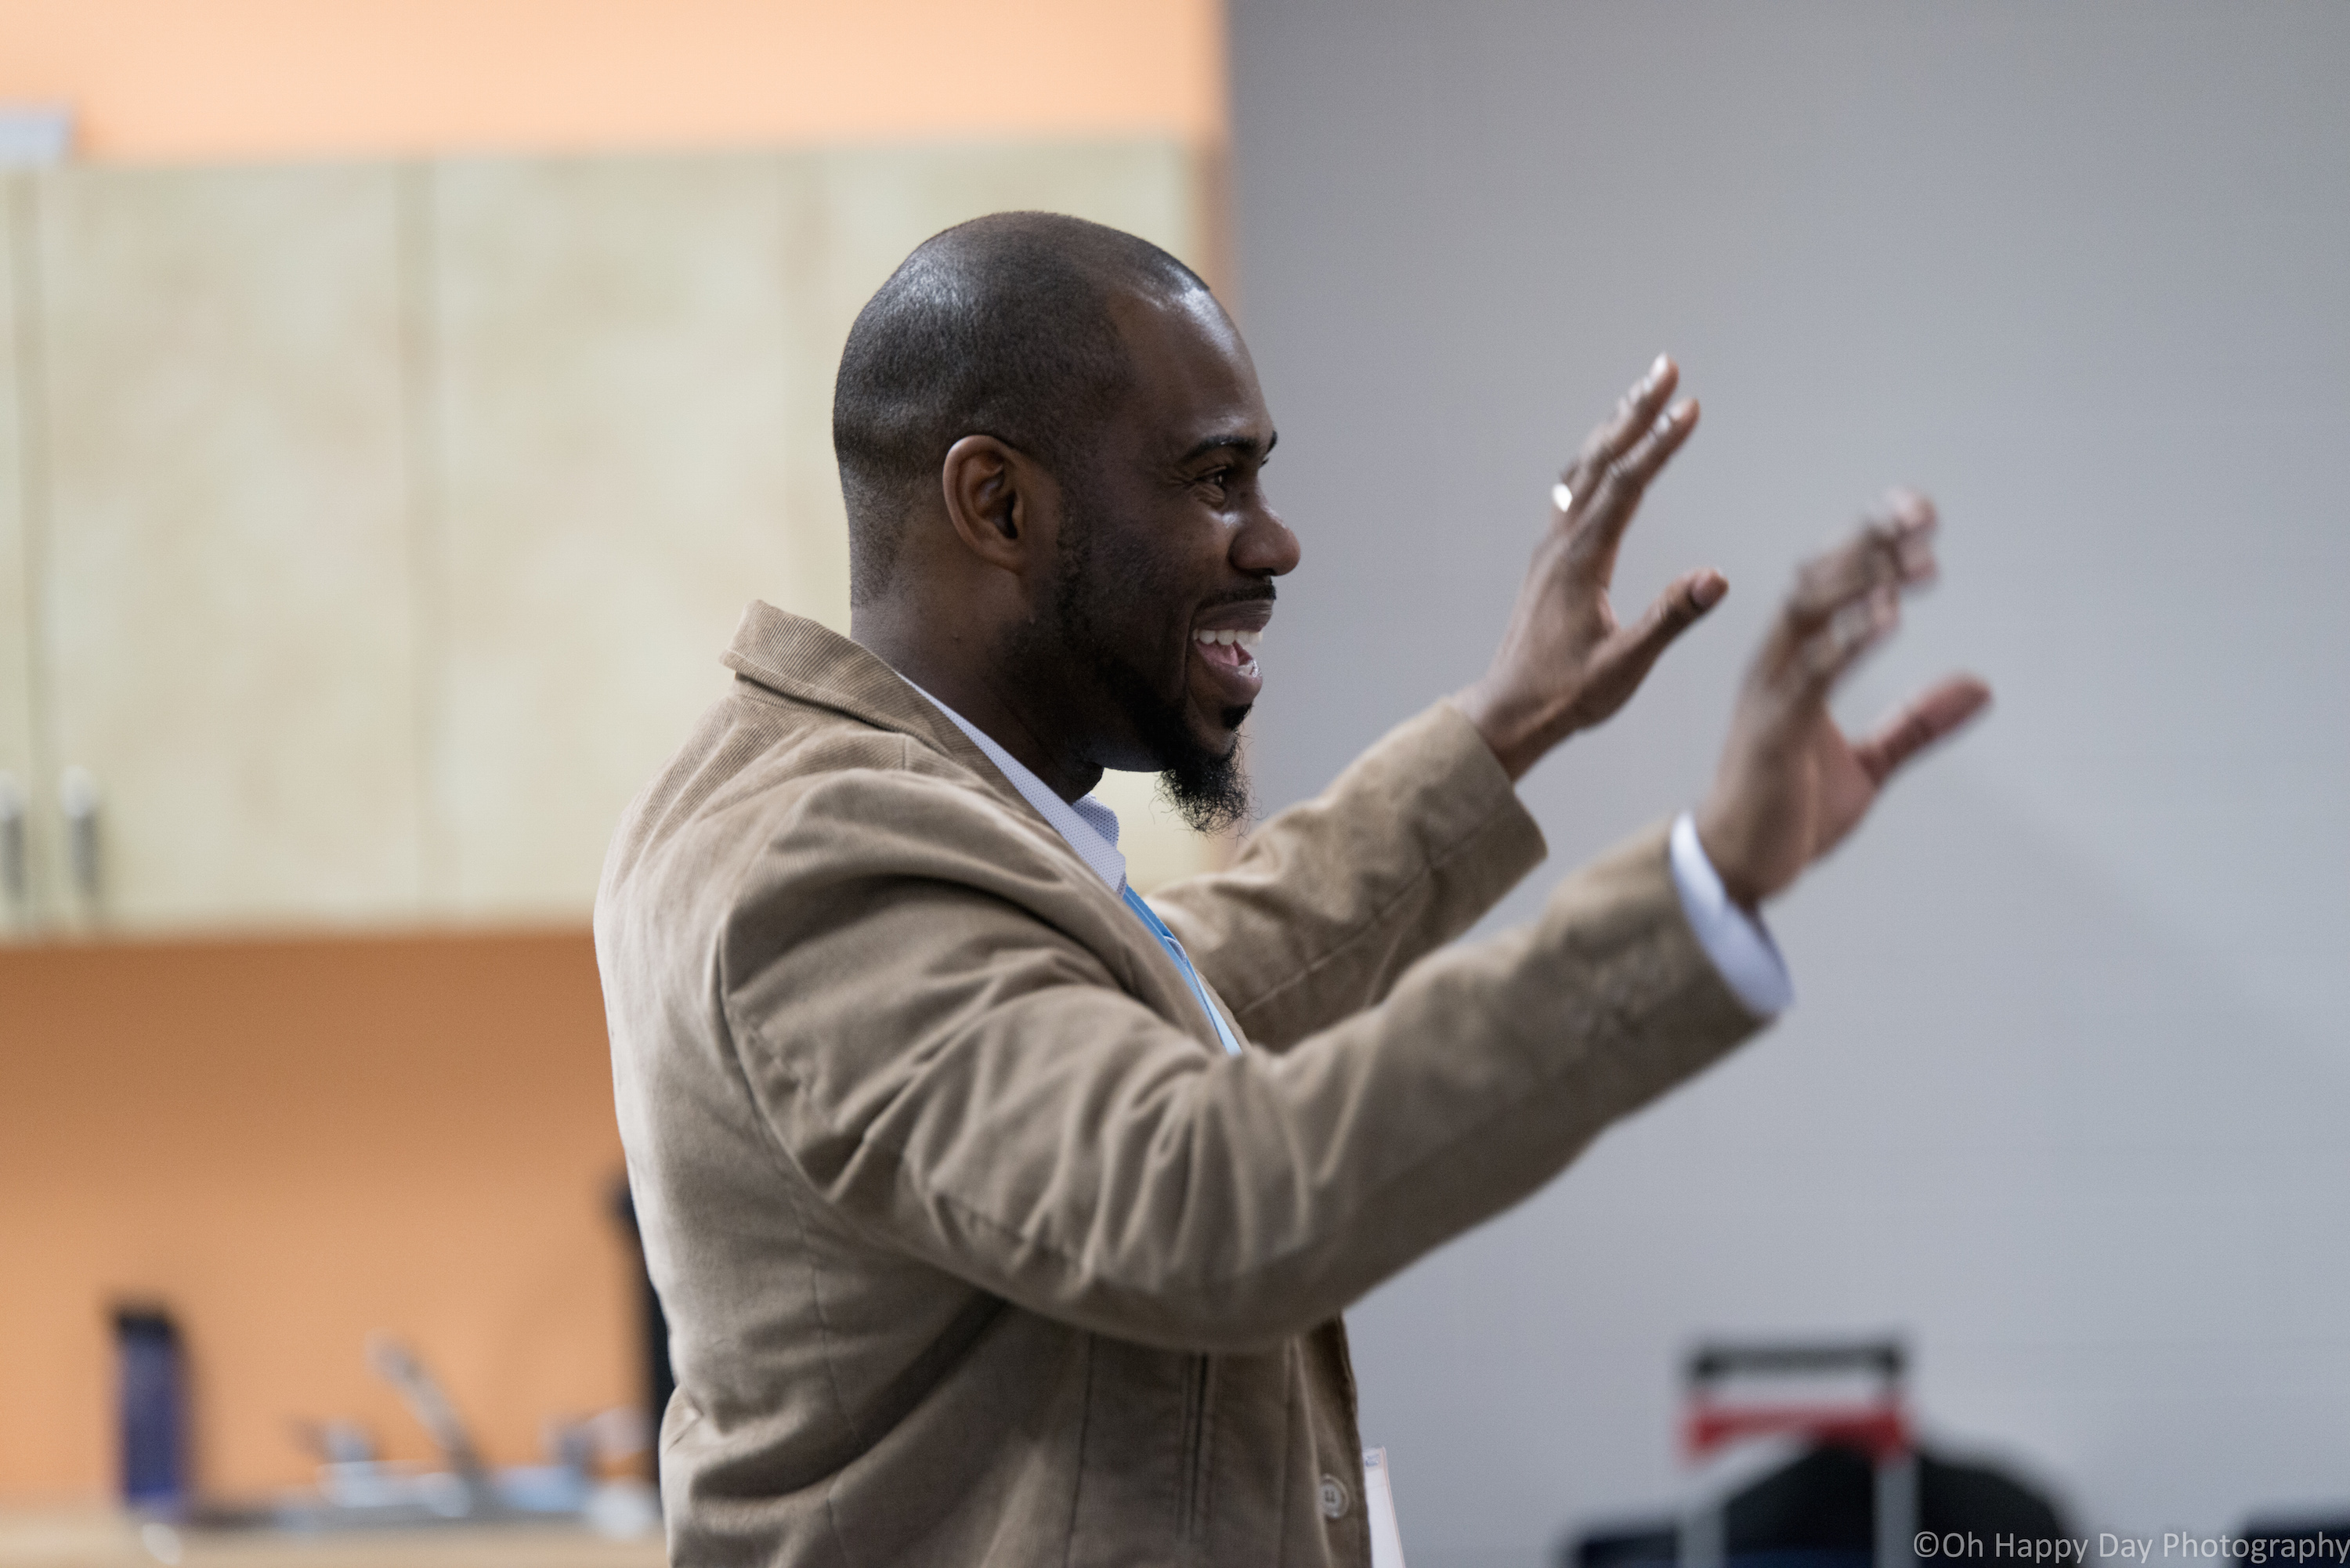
1790, 785
1565, 662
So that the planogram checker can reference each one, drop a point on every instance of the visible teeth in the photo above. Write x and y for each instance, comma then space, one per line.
1248, 639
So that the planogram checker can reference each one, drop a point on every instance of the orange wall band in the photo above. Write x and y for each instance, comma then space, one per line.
167, 80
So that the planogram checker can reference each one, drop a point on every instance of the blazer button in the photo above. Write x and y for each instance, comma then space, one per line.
1335, 1497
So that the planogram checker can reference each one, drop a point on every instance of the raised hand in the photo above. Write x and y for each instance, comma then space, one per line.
1566, 663
1790, 785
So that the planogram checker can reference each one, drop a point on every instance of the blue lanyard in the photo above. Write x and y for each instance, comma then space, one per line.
1183, 962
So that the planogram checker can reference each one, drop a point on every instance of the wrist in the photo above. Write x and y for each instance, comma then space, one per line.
1508, 727
1719, 844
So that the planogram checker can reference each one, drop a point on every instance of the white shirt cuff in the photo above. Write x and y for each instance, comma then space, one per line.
1736, 943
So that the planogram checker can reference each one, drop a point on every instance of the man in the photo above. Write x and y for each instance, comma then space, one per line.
1002, 1218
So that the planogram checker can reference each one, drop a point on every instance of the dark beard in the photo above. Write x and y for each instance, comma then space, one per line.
1209, 790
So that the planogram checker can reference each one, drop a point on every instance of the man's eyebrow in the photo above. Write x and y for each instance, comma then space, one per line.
1239, 445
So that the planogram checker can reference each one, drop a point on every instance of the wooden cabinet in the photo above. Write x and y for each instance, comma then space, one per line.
228, 612
378, 528
617, 372
16, 771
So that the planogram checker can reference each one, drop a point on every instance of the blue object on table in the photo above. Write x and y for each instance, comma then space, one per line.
153, 1409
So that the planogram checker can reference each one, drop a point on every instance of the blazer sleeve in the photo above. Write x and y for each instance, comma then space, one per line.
928, 1023
1330, 901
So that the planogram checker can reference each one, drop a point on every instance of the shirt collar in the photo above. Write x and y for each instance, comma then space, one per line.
1090, 827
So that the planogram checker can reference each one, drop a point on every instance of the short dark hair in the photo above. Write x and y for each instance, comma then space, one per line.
998, 327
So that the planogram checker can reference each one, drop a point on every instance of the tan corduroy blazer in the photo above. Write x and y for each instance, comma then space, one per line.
975, 1247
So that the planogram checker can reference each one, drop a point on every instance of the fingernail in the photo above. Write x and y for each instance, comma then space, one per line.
1707, 592
1666, 421
1657, 371
1561, 496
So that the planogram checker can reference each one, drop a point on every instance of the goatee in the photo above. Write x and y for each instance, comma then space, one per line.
1207, 789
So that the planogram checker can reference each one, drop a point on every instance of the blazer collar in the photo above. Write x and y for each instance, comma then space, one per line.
798, 658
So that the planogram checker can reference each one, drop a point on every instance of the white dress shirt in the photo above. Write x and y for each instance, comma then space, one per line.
1090, 826
1737, 942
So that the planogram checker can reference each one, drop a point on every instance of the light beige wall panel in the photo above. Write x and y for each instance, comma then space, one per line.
877, 204
227, 622
616, 363
16, 761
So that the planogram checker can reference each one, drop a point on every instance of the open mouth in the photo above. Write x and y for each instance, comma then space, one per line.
1228, 649
1225, 679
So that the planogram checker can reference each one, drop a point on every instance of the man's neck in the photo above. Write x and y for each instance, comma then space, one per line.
959, 676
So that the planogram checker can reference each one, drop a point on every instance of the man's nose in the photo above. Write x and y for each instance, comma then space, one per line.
1264, 547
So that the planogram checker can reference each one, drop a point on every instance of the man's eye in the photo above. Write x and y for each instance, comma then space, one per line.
1219, 478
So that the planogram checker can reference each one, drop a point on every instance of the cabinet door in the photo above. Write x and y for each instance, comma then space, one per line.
228, 629
617, 383
16, 764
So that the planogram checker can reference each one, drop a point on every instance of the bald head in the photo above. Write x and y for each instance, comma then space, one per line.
999, 327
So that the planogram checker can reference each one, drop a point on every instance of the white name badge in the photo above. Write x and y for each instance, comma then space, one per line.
1378, 1506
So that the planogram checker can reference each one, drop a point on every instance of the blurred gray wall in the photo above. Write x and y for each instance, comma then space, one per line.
2066, 1095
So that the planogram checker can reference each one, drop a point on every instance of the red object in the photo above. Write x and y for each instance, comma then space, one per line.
1872, 1421
1881, 1431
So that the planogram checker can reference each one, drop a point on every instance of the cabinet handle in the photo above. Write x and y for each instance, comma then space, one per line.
13, 886
78, 794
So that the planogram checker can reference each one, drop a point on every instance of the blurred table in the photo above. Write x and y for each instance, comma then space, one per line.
96, 1538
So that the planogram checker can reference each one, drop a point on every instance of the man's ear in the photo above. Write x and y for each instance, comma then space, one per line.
1003, 507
